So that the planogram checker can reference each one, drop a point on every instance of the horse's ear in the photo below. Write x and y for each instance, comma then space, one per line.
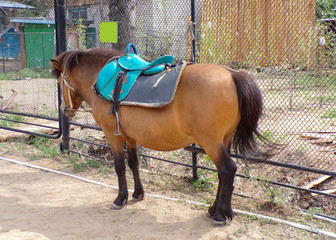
56, 64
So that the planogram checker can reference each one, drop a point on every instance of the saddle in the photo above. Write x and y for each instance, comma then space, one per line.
118, 76
122, 72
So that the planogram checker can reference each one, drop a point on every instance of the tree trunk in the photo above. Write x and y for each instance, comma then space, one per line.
123, 12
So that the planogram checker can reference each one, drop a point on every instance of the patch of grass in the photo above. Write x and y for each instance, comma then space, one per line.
5, 121
7, 76
317, 80
327, 98
312, 211
330, 113
37, 141
204, 181
26, 73
106, 171
76, 162
79, 166
271, 191
93, 163
48, 148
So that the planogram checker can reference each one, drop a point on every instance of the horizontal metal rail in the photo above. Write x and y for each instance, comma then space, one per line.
90, 142
274, 163
85, 126
58, 135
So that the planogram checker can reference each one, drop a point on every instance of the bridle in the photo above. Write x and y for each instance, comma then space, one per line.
65, 81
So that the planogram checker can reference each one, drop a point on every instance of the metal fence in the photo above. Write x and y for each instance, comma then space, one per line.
290, 54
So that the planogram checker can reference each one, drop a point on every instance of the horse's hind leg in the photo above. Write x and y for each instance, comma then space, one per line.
133, 163
221, 210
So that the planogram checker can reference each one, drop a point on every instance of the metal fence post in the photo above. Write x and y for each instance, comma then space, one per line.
194, 164
193, 29
61, 44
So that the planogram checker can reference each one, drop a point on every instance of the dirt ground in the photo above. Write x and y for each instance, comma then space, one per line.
36, 204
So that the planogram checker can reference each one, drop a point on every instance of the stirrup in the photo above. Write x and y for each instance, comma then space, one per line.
117, 131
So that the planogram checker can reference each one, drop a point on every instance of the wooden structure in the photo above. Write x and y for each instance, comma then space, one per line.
251, 33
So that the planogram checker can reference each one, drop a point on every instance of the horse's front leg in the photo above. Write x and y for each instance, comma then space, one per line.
120, 167
119, 162
133, 162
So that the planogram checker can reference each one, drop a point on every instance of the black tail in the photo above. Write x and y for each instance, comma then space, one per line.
247, 139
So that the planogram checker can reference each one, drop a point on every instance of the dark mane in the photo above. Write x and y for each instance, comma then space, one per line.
70, 58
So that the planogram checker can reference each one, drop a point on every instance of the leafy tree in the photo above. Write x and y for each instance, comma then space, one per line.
121, 12
324, 9
41, 11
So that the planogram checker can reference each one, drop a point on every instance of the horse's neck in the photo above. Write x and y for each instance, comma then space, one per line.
88, 70
86, 78
84, 83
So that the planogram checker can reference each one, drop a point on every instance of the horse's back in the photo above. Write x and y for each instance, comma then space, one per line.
208, 79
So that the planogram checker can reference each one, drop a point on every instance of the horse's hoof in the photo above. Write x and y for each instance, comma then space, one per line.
219, 223
118, 207
138, 199
209, 215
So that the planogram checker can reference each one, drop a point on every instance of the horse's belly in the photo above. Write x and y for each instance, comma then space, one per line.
166, 142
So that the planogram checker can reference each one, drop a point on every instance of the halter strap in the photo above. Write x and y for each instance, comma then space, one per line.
66, 82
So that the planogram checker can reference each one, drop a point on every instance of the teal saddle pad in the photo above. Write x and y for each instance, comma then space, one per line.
140, 89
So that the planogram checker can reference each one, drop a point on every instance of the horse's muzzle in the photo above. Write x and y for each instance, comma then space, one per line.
69, 113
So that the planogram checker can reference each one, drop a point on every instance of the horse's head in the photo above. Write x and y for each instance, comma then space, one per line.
71, 101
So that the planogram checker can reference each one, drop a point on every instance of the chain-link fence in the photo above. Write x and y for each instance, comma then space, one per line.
289, 52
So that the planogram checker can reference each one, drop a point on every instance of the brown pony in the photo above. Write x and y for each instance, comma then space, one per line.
213, 107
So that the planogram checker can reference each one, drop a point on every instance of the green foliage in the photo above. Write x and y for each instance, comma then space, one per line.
41, 11
81, 31
268, 135
25, 73
324, 9
5, 123
48, 147
312, 211
270, 190
317, 80
330, 113
76, 162
93, 163
7, 76
106, 171
204, 181
37, 141
79, 166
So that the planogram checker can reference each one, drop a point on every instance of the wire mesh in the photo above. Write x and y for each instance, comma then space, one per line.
289, 52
